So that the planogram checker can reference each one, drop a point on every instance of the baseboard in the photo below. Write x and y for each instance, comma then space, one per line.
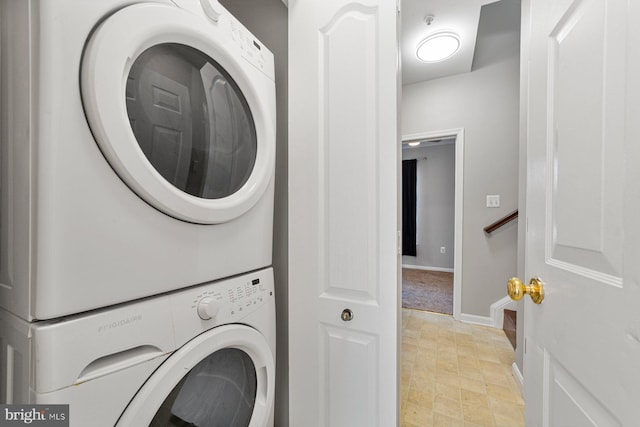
517, 375
497, 310
476, 320
422, 267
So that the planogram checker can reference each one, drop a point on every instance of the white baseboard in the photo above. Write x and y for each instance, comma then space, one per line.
476, 320
422, 267
517, 375
497, 310
495, 320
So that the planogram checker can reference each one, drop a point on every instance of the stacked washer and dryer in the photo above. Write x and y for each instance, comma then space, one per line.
136, 205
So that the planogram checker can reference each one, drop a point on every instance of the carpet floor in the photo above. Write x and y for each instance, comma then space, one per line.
427, 290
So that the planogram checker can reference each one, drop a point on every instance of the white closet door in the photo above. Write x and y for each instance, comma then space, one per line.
343, 213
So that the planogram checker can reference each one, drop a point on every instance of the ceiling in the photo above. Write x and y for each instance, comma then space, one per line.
459, 16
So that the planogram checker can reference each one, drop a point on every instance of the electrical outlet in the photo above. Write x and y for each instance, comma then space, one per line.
493, 201
443, 249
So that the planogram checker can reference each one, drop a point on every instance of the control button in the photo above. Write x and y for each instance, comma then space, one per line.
208, 308
212, 9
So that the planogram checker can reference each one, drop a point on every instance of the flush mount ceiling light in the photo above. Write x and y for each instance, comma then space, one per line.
413, 143
438, 47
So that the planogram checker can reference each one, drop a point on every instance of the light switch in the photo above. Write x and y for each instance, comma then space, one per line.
493, 201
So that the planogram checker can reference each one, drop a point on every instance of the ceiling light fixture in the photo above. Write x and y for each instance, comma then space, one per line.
438, 47
413, 143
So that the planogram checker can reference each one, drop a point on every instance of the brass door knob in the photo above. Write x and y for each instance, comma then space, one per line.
517, 289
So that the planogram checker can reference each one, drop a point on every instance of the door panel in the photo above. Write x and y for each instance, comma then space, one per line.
570, 403
348, 159
586, 106
343, 175
582, 346
344, 401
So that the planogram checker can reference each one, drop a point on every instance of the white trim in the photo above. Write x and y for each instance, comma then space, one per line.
476, 320
517, 375
497, 310
458, 133
423, 267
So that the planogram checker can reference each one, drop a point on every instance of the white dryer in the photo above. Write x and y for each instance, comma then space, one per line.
202, 356
137, 151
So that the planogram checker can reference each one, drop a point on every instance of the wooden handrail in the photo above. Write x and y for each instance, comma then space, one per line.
502, 221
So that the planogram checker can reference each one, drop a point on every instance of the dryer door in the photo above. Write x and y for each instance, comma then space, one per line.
224, 377
181, 116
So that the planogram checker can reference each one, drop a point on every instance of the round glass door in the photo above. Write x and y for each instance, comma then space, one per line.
191, 120
218, 391
224, 377
183, 119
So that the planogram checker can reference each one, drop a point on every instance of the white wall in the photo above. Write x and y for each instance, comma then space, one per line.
435, 205
267, 20
485, 102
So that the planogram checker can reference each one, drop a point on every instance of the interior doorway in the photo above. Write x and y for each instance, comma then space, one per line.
425, 289
430, 273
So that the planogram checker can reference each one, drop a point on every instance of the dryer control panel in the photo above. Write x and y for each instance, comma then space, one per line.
252, 49
226, 25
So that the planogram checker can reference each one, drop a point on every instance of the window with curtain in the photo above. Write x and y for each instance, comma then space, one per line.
409, 182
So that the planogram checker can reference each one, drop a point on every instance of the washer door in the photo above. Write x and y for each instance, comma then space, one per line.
177, 112
224, 377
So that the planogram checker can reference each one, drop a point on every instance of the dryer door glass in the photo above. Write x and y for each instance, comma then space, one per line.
191, 120
218, 391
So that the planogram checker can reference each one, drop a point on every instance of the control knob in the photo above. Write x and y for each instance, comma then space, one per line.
208, 308
212, 9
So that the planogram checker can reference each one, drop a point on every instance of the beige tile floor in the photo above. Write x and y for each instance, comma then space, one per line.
456, 374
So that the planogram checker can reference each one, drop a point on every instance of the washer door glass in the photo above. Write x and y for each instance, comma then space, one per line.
218, 391
191, 120
224, 377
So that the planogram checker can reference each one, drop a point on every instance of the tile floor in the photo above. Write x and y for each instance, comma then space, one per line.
456, 374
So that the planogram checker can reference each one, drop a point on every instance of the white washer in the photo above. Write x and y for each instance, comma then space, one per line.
138, 151
153, 362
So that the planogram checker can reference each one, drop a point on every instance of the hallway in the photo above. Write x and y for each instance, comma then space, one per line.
456, 374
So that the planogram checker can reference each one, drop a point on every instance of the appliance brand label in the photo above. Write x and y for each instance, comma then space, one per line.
118, 323
34, 415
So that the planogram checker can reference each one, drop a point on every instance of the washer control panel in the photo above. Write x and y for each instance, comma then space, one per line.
231, 299
248, 298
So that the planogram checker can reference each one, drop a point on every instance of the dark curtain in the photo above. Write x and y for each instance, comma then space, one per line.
409, 207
